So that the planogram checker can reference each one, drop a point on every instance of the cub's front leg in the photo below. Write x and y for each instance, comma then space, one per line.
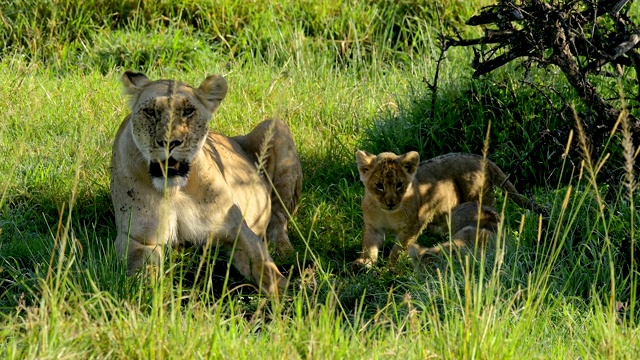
372, 239
404, 239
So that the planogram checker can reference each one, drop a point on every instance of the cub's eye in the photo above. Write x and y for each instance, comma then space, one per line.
148, 112
399, 185
186, 112
380, 186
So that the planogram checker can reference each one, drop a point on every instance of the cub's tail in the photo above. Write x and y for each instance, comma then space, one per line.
498, 178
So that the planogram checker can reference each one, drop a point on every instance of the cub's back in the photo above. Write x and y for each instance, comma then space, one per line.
452, 165
464, 171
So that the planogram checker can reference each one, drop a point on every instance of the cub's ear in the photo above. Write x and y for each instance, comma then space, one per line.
410, 161
212, 91
134, 81
365, 161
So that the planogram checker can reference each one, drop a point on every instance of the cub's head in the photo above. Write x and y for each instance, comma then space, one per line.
170, 122
386, 177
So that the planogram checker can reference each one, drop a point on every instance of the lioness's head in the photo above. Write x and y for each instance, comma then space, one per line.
387, 176
170, 122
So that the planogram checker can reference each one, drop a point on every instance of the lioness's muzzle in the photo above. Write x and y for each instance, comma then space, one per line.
169, 168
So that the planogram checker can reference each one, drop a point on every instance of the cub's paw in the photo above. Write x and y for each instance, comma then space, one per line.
422, 256
362, 263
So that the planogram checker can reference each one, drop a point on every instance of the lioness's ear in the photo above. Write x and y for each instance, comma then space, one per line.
365, 160
410, 161
212, 91
134, 81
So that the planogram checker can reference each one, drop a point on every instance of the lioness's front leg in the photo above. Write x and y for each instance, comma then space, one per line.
279, 160
251, 257
137, 253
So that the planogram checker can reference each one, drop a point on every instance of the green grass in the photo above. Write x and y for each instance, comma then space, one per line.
560, 287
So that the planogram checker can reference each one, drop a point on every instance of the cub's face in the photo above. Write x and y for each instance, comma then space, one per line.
387, 176
170, 123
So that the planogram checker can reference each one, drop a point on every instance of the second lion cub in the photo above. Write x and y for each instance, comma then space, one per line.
472, 226
403, 196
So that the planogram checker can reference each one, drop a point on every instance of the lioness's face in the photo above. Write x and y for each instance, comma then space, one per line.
170, 123
387, 176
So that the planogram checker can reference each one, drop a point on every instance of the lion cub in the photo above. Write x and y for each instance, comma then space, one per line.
404, 196
472, 226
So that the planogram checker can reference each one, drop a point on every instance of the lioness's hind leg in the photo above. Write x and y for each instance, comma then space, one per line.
281, 163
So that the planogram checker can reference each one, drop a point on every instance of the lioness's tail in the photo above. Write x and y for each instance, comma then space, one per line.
498, 178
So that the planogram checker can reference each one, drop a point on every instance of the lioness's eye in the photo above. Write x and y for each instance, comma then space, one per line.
188, 112
399, 185
149, 112
380, 186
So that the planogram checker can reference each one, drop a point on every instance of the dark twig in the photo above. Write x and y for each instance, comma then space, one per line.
434, 86
443, 51
627, 45
635, 59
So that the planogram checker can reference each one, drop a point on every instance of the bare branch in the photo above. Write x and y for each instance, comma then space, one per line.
554, 33
624, 47
635, 59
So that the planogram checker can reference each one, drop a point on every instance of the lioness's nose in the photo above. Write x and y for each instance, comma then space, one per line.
173, 144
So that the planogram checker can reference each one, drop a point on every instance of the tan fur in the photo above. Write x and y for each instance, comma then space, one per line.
403, 197
472, 227
220, 196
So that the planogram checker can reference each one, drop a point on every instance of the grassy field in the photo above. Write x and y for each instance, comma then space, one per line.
345, 75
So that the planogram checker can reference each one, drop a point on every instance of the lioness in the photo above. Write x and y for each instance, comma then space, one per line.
173, 180
472, 225
404, 196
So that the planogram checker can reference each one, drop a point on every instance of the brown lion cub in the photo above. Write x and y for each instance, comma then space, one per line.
472, 226
404, 196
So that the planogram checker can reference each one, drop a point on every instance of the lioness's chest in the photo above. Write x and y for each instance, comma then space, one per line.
216, 212
187, 219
